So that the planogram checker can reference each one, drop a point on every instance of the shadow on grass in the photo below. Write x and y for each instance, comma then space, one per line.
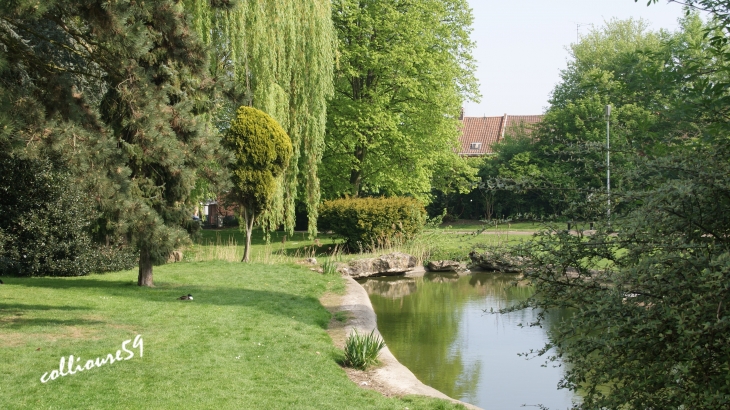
7, 307
289, 305
20, 322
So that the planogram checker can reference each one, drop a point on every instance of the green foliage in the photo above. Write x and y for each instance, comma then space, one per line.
650, 326
278, 56
368, 222
116, 91
45, 221
262, 151
650, 290
562, 162
403, 72
329, 267
361, 351
112, 258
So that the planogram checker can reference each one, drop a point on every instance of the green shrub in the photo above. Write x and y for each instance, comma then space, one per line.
362, 351
44, 220
365, 223
112, 259
262, 150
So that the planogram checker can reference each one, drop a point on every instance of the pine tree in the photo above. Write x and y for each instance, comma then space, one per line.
116, 90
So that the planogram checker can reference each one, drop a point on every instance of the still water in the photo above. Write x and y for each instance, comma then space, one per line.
436, 326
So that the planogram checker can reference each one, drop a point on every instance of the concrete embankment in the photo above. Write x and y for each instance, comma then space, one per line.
391, 374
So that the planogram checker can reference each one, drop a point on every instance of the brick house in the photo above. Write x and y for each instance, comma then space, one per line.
479, 133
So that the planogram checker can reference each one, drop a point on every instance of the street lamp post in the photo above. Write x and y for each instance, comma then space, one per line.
608, 163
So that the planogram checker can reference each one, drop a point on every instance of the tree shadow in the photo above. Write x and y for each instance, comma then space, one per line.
268, 301
8, 307
20, 322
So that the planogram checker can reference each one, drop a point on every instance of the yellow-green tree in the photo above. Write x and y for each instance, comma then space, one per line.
262, 151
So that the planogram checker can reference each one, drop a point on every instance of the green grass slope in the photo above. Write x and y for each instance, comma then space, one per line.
253, 338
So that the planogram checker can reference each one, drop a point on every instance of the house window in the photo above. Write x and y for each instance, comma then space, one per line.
475, 145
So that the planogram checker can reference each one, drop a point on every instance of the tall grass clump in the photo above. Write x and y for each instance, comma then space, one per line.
215, 250
361, 351
329, 267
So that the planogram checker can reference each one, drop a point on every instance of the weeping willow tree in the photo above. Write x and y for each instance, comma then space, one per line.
277, 56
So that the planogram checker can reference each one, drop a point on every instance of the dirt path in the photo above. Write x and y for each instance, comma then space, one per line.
390, 378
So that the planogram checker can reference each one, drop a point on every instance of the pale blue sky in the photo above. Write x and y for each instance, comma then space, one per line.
521, 45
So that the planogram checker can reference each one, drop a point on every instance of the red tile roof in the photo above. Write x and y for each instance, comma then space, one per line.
479, 133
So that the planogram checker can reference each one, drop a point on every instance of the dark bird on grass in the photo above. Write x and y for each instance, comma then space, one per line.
1, 282
186, 297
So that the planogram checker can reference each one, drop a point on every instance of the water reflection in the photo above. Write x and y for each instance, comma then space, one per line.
436, 326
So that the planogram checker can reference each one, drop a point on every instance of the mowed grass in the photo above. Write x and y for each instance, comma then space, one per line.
432, 244
474, 225
253, 338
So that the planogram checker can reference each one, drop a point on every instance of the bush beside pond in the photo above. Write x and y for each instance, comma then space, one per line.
366, 223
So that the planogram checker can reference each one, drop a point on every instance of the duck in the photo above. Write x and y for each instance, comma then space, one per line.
186, 297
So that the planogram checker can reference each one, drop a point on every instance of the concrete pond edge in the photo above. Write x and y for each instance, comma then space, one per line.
391, 373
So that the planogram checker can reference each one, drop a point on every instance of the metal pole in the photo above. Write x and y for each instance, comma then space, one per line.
608, 163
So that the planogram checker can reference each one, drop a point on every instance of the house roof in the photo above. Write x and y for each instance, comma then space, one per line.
479, 133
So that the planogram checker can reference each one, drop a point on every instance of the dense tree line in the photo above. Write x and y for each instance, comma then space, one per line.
649, 288
129, 100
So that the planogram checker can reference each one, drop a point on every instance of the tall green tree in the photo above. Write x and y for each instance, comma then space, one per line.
116, 91
650, 292
262, 152
277, 56
563, 161
404, 69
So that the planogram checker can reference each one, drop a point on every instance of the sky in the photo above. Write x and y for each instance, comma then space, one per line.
521, 45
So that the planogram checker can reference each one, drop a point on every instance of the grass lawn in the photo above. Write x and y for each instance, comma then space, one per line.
253, 338
434, 244
473, 225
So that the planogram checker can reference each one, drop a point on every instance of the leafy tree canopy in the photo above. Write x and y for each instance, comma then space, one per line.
277, 56
563, 160
404, 69
649, 292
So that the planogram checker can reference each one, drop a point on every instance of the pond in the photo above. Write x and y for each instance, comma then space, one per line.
439, 326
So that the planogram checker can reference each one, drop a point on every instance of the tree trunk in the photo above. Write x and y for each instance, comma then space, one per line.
145, 268
355, 182
248, 223
356, 172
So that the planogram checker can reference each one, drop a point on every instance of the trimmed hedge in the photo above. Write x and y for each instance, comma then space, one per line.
366, 223
262, 151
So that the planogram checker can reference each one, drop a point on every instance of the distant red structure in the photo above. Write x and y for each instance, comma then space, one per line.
478, 134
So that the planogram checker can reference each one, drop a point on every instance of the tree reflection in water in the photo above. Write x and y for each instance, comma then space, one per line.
422, 320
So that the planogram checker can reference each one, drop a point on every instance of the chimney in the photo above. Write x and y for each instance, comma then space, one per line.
502, 127
461, 116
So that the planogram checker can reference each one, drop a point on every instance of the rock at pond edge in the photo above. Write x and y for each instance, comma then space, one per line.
386, 265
